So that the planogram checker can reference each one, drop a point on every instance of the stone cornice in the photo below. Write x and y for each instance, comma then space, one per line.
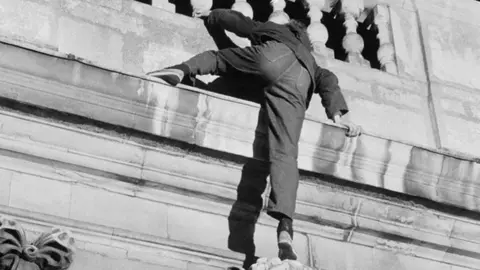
213, 121
356, 218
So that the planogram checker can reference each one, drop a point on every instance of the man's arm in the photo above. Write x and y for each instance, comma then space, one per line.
232, 21
330, 92
333, 100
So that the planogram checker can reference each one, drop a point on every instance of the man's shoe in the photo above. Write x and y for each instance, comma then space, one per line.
170, 75
285, 247
285, 240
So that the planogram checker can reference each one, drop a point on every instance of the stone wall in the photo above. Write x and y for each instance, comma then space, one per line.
133, 37
433, 95
111, 125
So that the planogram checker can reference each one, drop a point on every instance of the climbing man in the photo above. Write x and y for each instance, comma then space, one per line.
280, 56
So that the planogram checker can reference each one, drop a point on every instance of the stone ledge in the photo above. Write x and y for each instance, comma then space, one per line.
119, 244
359, 218
210, 120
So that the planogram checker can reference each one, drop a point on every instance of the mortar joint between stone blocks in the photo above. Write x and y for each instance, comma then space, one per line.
354, 221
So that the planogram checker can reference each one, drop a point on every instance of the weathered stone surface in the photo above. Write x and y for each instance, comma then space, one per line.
407, 43
461, 135
99, 45
42, 195
330, 254
400, 97
90, 204
315, 201
164, 4
462, 10
5, 184
451, 105
29, 21
102, 14
390, 122
449, 59
323, 148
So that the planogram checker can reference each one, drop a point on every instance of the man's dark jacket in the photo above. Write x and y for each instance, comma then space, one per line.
324, 82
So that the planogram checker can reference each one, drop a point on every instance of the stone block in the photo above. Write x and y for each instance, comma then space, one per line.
29, 21
195, 174
96, 44
107, 208
40, 194
158, 257
475, 109
460, 134
452, 105
210, 230
401, 97
463, 10
101, 13
451, 52
465, 235
329, 254
158, 55
408, 49
391, 122
164, 4
105, 149
5, 184
196, 266
405, 221
112, 4
105, 250
457, 93
92, 261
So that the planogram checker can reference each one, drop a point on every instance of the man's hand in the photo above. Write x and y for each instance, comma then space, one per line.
352, 129
201, 13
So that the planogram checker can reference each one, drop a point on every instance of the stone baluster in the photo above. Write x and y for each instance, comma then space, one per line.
201, 5
353, 42
243, 7
386, 51
278, 15
317, 32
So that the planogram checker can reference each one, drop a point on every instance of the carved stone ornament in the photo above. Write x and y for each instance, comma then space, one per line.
277, 264
278, 15
386, 51
201, 5
317, 32
50, 251
353, 42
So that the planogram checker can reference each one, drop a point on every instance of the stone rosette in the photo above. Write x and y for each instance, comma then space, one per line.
53, 250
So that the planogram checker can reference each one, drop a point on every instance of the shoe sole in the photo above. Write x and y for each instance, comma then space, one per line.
171, 78
286, 252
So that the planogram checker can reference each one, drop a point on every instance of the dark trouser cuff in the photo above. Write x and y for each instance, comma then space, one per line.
188, 79
183, 67
285, 224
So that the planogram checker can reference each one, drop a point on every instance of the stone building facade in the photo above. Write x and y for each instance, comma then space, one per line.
145, 175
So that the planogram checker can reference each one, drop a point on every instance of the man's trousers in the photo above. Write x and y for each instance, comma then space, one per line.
286, 88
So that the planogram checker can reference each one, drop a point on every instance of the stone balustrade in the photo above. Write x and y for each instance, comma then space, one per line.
349, 10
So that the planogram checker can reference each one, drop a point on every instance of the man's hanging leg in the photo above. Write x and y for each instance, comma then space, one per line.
285, 105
